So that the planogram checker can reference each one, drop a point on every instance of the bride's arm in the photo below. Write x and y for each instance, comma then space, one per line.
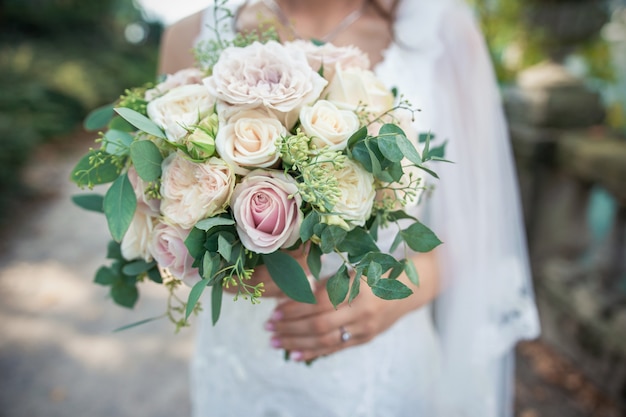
310, 331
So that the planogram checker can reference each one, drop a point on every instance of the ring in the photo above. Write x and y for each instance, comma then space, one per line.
345, 335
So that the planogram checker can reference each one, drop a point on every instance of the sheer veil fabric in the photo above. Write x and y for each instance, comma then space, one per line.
461, 365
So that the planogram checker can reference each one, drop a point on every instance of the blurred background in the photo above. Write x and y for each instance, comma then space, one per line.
562, 69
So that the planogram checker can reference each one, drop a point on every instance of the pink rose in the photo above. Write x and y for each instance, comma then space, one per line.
329, 55
167, 246
268, 75
266, 207
193, 191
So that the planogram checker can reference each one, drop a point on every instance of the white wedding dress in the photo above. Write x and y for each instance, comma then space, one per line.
463, 365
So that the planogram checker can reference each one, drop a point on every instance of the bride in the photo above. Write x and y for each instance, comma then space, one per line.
448, 349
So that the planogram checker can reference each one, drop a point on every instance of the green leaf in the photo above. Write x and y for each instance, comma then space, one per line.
124, 294
308, 225
114, 250
289, 276
374, 273
437, 152
195, 242
420, 238
105, 276
411, 272
396, 172
394, 216
216, 301
137, 323
430, 171
388, 146
155, 275
91, 202
141, 122
314, 260
423, 137
212, 222
208, 265
384, 260
147, 159
408, 149
98, 118
117, 142
356, 286
357, 136
84, 175
357, 243
194, 296
119, 207
338, 285
373, 228
137, 267
391, 289
118, 123
224, 248
331, 237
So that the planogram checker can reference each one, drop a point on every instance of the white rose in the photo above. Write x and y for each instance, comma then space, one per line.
183, 77
193, 191
327, 56
135, 244
357, 195
327, 125
248, 139
180, 109
268, 75
356, 88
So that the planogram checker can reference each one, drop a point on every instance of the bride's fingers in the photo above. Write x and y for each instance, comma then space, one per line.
325, 345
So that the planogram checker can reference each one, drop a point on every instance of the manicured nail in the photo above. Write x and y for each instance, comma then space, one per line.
275, 342
269, 326
296, 356
276, 315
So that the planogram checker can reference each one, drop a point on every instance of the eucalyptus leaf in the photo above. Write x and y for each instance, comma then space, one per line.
118, 123
423, 137
289, 276
408, 149
420, 238
120, 203
141, 122
355, 288
314, 260
391, 289
195, 242
384, 260
137, 323
114, 250
357, 243
394, 216
224, 248
117, 142
430, 171
216, 302
124, 294
374, 273
388, 146
86, 175
91, 202
208, 224
105, 276
331, 237
147, 159
411, 272
338, 285
194, 296
308, 225
99, 118
137, 267
437, 152
357, 136
155, 275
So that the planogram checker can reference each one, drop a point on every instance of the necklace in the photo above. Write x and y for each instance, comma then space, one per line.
329, 37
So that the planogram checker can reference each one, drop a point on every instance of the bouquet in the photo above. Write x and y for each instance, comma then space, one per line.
261, 148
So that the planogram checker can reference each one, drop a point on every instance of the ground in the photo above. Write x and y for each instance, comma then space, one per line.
60, 357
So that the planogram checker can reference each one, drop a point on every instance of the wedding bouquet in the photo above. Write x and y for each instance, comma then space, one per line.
262, 148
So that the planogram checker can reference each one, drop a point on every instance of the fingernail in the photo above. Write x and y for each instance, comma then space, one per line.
275, 342
269, 326
296, 356
276, 315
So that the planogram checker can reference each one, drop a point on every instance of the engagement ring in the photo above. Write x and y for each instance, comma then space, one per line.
345, 335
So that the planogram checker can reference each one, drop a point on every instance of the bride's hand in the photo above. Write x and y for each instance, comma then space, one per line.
309, 331
262, 275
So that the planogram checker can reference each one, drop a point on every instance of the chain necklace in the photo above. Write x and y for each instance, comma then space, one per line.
329, 37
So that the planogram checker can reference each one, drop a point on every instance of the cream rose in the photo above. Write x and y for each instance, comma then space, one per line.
135, 244
355, 88
183, 77
167, 246
266, 207
193, 191
357, 192
180, 109
328, 55
248, 139
327, 125
268, 75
